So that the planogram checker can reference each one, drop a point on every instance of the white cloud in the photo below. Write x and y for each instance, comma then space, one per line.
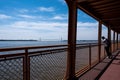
46, 9
47, 30
87, 33
59, 17
3, 16
26, 16
34, 30
38, 25
87, 24
15, 33
104, 31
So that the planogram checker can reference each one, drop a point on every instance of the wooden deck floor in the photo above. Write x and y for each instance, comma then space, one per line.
108, 69
113, 71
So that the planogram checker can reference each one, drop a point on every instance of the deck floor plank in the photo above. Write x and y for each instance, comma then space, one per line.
99, 72
113, 71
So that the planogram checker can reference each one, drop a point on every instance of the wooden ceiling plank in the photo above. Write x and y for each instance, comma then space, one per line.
108, 8
107, 5
109, 12
79, 1
100, 2
112, 19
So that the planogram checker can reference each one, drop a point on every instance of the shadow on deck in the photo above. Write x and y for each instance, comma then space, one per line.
105, 70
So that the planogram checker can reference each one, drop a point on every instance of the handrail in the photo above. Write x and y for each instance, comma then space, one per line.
41, 50
33, 47
11, 55
84, 45
28, 48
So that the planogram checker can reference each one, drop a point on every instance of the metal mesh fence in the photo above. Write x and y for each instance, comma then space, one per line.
82, 58
48, 66
112, 47
102, 51
45, 64
94, 53
11, 69
118, 45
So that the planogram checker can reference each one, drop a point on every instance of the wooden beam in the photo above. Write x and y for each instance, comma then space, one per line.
113, 41
100, 2
108, 8
99, 40
89, 13
111, 19
110, 16
109, 35
117, 40
107, 5
105, 12
79, 1
72, 31
113, 12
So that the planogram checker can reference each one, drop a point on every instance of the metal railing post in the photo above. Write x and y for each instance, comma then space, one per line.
113, 41
99, 40
90, 55
26, 66
117, 41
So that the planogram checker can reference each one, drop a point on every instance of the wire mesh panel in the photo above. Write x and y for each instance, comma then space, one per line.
82, 58
94, 53
115, 46
102, 51
118, 45
112, 47
11, 69
48, 66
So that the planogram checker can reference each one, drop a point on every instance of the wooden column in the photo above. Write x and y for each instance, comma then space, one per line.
113, 41
72, 26
26, 66
109, 35
117, 40
99, 40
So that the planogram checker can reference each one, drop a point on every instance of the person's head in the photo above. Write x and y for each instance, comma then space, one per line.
103, 37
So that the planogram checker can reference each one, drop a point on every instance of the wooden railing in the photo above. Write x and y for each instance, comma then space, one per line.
45, 62
25, 55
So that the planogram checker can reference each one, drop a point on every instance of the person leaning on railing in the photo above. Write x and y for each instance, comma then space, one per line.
107, 44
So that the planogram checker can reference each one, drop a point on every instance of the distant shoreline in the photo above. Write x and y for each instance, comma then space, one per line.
18, 40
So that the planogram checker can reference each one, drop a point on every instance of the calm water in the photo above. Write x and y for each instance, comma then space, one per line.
6, 44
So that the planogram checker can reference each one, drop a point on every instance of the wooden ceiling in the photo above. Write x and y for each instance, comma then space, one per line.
107, 11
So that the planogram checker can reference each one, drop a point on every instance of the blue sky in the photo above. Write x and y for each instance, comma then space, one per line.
45, 19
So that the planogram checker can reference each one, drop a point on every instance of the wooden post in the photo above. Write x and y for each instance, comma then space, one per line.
117, 40
109, 33
109, 36
113, 41
99, 40
26, 66
90, 55
72, 26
